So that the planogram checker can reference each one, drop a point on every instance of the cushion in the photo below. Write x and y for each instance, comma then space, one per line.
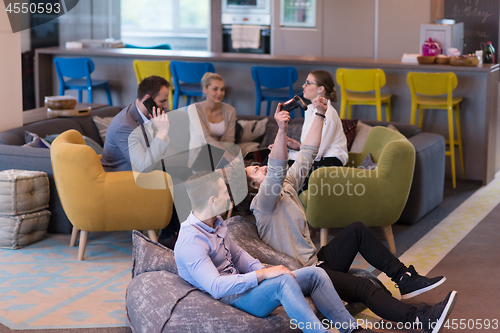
358, 143
368, 163
294, 131
251, 130
23, 192
33, 140
102, 124
392, 127
17, 231
349, 126
149, 256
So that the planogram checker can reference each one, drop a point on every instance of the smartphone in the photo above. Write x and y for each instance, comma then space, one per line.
149, 104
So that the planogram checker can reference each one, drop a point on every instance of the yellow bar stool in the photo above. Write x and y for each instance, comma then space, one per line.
143, 69
355, 85
425, 89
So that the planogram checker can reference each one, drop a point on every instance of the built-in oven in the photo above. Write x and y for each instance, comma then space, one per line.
246, 12
265, 41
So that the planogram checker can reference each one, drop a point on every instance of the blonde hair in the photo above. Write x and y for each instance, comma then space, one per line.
208, 77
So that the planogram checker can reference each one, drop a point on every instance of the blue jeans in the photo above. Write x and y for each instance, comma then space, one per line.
289, 291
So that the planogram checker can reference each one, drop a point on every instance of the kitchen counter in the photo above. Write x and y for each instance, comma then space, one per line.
477, 85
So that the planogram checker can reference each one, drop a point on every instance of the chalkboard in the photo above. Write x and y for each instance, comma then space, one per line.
481, 21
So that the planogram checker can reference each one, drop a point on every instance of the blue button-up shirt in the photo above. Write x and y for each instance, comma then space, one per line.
208, 259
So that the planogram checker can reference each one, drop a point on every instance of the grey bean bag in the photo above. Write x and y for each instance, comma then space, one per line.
158, 300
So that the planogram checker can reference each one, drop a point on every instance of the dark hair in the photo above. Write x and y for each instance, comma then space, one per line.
244, 206
325, 79
201, 186
151, 86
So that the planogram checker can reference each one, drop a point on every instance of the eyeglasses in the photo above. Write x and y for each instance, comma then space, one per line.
307, 83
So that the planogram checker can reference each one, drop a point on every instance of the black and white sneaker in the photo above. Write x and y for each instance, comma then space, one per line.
435, 316
412, 284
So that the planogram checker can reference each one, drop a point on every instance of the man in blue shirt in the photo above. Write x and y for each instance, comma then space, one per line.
207, 258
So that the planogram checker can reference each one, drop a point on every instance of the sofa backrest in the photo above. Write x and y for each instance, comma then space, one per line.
408, 130
15, 136
84, 125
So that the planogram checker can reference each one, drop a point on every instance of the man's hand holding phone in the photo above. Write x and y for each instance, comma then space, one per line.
158, 117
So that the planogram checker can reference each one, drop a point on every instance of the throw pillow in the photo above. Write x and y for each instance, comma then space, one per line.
358, 143
149, 256
102, 124
349, 126
251, 130
33, 140
392, 127
368, 163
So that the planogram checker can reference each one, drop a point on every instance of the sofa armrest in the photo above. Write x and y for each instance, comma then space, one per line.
428, 179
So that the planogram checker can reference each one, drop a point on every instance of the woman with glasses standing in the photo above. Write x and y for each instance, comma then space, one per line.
333, 147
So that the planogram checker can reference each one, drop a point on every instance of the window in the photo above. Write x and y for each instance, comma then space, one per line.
183, 24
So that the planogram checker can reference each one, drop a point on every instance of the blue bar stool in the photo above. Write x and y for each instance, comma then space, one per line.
78, 71
187, 79
269, 82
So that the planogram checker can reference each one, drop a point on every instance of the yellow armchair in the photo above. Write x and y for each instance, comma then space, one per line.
338, 196
95, 200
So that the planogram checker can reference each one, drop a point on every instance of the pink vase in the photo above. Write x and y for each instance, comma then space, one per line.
430, 48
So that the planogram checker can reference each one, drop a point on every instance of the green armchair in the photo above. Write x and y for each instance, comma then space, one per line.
338, 196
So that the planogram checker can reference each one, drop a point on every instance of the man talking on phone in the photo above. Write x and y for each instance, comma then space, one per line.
137, 139
116, 154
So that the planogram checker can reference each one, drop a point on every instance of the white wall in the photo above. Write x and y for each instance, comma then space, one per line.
346, 29
10, 81
399, 26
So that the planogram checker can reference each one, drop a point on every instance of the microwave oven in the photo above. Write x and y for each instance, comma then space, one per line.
246, 6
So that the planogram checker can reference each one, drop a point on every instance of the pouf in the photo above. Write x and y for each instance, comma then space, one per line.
24, 199
20, 230
23, 192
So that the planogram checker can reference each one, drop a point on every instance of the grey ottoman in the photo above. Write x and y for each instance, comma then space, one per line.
24, 199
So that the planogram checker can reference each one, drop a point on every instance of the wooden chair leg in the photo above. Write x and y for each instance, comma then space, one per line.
390, 237
152, 235
229, 213
323, 236
84, 235
74, 236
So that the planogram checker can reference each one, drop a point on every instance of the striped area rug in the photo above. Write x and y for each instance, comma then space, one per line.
44, 286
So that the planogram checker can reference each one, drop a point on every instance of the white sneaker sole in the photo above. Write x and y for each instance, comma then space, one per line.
446, 312
423, 290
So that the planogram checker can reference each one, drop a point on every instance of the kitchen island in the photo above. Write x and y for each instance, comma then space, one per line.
477, 85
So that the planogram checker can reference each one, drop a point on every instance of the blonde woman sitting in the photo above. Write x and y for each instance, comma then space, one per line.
211, 121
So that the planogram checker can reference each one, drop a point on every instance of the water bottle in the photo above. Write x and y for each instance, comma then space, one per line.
489, 54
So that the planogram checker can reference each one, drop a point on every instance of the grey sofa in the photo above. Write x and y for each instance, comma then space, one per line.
426, 191
14, 156
158, 300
